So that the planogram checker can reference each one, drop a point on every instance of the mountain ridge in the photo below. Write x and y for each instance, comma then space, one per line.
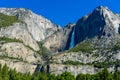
101, 16
36, 43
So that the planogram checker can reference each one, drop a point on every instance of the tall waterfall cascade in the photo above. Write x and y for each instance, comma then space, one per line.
72, 41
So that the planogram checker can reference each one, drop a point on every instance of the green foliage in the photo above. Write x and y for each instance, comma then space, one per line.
116, 47
105, 75
81, 77
89, 45
66, 76
52, 77
69, 62
43, 51
84, 77
40, 76
106, 64
102, 64
6, 20
85, 46
116, 75
5, 40
102, 75
8, 74
5, 56
5, 75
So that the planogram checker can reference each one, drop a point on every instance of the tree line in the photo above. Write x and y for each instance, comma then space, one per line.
9, 74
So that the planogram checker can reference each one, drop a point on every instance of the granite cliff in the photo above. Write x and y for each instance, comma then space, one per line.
30, 42
97, 45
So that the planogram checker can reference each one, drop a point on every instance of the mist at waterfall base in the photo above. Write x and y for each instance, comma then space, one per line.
72, 41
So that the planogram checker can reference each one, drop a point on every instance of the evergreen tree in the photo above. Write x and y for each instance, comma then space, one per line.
116, 75
27, 76
66, 76
105, 75
52, 77
43, 77
0, 72
81, 77
5, 75
12, 74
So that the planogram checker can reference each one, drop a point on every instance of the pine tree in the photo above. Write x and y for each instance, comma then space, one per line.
105, 75
81, 77
52, 77
5, 75
116, 75
0, 72
67, 76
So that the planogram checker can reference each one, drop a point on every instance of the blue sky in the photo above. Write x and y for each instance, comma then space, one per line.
62, 11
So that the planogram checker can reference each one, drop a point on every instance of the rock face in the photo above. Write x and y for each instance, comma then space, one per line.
20, 31
18, 50
17, 55
38, 26
97, 45
19, 46
96, 36
75, 70
58, 63
101, 22
60, 40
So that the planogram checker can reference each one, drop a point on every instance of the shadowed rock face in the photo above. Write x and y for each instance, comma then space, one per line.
101, 22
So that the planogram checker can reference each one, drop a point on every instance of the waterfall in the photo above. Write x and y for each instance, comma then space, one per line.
72, 42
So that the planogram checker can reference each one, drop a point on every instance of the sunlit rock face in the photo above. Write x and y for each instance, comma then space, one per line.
101, 22
38, 26
19, 41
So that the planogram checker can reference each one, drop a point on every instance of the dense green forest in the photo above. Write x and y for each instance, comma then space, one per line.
8, 74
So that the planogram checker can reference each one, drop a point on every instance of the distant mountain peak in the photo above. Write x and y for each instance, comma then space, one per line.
101, 22
102, 7
101, 10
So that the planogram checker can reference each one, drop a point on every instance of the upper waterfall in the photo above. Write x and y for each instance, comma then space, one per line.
72, 41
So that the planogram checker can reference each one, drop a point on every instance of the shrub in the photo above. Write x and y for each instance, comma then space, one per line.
6, 20
69, 62
85, 46
5, 39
